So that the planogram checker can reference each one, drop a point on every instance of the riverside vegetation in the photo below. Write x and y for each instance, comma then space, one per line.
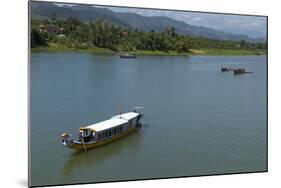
101, 36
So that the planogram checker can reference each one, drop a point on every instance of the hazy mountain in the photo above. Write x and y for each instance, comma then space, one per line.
40, 10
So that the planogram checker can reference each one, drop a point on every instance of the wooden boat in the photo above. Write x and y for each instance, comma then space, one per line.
239, 71
226, 69
236, 71
104, 132
127, 55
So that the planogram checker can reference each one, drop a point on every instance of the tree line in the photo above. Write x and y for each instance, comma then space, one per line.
73, 33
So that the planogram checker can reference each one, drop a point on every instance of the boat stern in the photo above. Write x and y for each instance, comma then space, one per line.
139, 117
139, 111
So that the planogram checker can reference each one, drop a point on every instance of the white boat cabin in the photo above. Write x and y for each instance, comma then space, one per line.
108, 128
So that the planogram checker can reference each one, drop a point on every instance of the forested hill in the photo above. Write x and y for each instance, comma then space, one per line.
40, 10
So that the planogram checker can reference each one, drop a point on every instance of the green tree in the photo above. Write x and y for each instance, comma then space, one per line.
37, 40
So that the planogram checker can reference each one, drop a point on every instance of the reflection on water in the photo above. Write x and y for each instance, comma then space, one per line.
87, 160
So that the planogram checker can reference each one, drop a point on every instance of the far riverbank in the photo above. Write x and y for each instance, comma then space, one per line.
105, 51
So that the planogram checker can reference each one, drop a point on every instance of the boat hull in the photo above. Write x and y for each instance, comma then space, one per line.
80, 146
128, 56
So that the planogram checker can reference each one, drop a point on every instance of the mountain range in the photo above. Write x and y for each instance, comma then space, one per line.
43, 10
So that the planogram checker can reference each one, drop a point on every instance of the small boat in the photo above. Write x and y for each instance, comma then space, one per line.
104, 132
236, 71
226, 69
127, 55
239, 71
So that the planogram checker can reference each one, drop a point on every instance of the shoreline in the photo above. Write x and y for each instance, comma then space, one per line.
202, 52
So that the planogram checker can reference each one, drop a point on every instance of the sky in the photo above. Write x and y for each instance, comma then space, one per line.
253, 26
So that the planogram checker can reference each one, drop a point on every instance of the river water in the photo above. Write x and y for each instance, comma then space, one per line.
198, 120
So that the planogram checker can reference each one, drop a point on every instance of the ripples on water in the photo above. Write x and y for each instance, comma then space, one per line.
199, 120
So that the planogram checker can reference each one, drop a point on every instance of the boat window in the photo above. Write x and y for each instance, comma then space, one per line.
134, 121
93, 136
80, 135
86, 132
109, 132
99, 136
